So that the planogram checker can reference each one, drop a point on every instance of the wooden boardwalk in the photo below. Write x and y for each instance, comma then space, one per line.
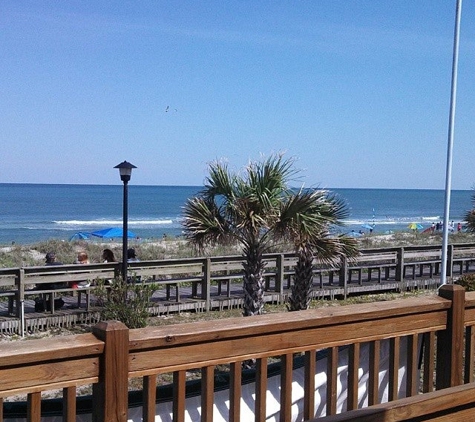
223, 297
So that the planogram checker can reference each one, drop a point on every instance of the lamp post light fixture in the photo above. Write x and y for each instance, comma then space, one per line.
125, 170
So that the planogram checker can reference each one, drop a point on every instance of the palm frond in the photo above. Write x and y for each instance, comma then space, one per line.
219, 183
329, 249
308, 212
270, 179
203, 223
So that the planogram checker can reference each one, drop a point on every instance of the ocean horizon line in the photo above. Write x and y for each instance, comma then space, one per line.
201, 186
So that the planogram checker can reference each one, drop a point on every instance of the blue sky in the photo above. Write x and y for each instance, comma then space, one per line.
357, 91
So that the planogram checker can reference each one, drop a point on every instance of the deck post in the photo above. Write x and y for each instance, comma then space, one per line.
20, 282
450, 342
110, 394
20, 302
206, 285
279, 277
400, 264
450, 260
343, 281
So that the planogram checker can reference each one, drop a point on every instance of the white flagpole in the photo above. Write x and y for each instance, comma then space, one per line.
448, 179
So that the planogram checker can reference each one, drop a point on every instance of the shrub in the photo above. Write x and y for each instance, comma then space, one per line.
127, 302
467, 281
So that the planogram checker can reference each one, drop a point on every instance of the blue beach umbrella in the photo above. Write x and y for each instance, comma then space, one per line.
367, 226
112, 232
80, 236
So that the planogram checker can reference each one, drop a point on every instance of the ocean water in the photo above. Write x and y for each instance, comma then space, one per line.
35, 212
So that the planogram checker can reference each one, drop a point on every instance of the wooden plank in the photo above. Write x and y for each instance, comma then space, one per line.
453, 404
207, 393
179, 397
261, 390
412, 381
353, 378
373, 380
33, 407
309, 384
69, 404
167, 335
149, 397
332, 377
216, 351
62, 373
235, 389
44, 350
469, 366
429, 362
286, 387
394, 357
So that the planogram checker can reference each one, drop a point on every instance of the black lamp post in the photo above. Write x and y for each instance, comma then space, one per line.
125, 170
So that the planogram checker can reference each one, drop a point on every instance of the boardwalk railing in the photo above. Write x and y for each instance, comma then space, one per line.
374, 269
430, 348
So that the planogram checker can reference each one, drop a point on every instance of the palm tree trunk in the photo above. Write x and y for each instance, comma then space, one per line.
300, 291
253, 281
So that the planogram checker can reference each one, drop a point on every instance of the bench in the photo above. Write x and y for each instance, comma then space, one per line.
37, 281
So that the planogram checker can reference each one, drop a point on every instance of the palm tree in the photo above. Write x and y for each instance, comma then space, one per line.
255, 210
244, 209
306, 218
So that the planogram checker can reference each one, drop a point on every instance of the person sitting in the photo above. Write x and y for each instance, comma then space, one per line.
43, 302
108, 255
82, 258
51, 259
131, 255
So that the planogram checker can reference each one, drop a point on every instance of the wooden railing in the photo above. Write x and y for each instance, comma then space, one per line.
383, 266
440, 327
454, 399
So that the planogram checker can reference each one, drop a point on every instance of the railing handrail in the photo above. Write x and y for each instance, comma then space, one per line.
75, 268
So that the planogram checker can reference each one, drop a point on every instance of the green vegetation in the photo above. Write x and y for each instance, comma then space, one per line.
412, 239
127, 302
66, 252
467, 281
470, 216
